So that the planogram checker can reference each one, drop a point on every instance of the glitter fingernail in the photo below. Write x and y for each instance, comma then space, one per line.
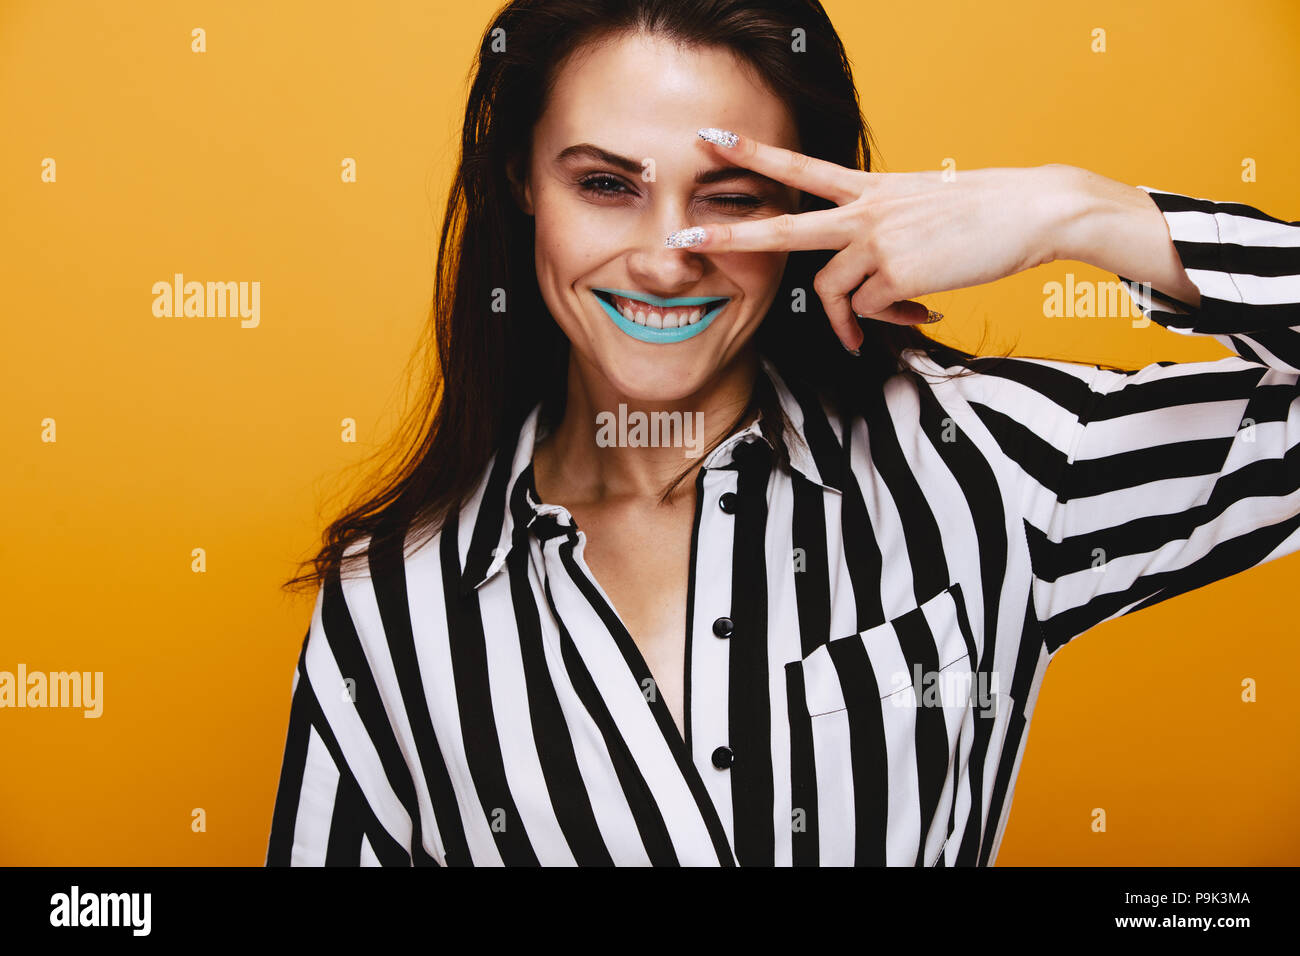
722, 137
684, 238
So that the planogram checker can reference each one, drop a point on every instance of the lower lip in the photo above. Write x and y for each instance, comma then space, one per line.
646, 333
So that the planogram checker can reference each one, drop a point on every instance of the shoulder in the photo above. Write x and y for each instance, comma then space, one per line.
393, 582
948, 405
1006, 383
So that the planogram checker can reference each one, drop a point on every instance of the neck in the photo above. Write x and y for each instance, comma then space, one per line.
602, 451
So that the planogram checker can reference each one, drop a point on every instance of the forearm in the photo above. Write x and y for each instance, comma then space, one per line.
1115, 227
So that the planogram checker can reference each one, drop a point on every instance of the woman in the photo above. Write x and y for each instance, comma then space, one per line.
702, 553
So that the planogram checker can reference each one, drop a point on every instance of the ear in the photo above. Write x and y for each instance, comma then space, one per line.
520, 187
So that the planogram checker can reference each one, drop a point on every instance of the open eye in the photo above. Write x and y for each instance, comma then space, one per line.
603, 185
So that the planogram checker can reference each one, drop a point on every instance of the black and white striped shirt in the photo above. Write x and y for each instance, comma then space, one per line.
867, 630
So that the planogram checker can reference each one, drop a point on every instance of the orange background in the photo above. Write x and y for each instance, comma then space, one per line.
182, 433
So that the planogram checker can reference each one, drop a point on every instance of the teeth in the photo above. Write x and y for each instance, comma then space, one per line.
641, 314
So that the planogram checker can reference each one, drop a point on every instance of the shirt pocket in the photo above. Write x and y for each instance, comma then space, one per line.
879, 726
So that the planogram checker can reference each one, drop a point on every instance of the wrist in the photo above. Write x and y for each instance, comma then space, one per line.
1103, 222
1071, 203
1117, 228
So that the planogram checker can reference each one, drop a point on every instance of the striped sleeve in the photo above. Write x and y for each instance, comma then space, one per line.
1144, 484
334, 805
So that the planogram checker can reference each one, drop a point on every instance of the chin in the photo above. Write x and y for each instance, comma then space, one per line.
653, 375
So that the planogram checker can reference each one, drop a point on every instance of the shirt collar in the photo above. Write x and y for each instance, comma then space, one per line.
504, 507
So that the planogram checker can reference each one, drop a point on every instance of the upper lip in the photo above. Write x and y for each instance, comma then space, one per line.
661, 302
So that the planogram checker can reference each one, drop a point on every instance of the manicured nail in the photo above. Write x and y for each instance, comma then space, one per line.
684, 238
854, 352
723, 137
932, 316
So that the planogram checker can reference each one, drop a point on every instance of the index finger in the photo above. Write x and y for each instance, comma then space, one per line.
829, 180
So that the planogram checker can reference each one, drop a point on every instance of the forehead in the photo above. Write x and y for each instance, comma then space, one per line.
639, 91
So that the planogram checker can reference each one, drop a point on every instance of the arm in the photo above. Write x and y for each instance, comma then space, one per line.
1119, 228
1144, 484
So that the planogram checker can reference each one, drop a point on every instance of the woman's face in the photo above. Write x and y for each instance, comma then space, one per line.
615, 167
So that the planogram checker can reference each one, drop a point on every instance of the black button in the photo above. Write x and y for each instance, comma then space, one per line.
723, 758
728, 502
723, 627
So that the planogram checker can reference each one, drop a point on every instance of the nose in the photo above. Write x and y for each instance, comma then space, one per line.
660, 269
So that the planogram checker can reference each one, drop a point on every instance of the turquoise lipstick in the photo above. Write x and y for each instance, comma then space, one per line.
711, 306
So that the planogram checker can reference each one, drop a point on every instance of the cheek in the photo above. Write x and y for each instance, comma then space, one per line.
771, 265
569, 245
572, 237
757, 273
561, 261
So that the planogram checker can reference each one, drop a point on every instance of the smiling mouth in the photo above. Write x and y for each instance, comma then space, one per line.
674, 321
658, 317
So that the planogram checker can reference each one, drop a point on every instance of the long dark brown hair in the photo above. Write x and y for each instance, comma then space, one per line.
483, 371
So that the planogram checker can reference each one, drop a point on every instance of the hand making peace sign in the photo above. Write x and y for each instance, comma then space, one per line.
905, 234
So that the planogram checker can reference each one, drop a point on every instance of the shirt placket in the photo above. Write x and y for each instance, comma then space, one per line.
727, 657
709, 632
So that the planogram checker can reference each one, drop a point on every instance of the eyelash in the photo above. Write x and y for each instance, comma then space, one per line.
588, 185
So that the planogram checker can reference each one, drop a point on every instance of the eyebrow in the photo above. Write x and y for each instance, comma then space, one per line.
705, 177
